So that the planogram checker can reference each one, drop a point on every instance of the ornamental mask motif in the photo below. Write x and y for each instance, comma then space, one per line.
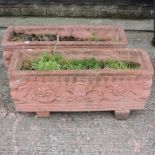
44, 94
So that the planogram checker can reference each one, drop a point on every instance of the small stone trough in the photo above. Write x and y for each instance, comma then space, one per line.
82, 90
77, 36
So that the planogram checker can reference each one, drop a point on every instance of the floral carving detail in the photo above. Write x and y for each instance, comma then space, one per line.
79, 89
49, 92
113, 92
44, 94
83, 91
76, 91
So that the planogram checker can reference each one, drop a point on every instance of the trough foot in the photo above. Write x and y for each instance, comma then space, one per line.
43, 114
122, 114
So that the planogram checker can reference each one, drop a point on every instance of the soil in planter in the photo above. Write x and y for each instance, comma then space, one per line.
58, 62
42, 37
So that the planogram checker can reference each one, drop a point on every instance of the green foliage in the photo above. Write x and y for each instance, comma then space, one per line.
90, 63
54, 61
116, 64
47, 62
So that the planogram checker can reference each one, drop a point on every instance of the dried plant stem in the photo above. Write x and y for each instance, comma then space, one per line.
53, 51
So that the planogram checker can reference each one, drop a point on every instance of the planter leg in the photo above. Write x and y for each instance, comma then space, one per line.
43, 114
122, 114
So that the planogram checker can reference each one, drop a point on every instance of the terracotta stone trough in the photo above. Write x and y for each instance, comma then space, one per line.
89, 36
82, 90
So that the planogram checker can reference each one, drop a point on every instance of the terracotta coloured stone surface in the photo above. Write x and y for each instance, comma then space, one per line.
109, 36
82, 90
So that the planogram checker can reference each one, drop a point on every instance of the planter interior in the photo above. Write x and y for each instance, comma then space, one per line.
106, 35
82, 90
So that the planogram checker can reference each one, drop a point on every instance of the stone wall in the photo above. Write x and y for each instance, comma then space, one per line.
78, 8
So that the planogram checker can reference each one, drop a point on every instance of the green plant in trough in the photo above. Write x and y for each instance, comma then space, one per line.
117, 64
54, 61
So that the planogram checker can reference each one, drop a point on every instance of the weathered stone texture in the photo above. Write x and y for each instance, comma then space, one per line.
9, 11
74, 10
96, 133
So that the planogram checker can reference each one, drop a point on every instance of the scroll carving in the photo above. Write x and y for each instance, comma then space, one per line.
49, 92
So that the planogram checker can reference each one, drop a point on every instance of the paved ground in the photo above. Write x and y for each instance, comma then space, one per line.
97, 133
146, 24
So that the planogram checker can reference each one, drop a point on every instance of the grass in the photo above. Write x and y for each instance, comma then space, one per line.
57, 62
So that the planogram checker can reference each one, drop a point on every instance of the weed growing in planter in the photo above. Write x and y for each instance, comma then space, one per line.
93, 37
116, 64
58, 62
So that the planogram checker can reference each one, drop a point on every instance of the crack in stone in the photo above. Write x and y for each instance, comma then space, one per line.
4, 106
14, 129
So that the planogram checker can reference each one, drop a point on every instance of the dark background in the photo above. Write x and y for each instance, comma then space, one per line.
110, 2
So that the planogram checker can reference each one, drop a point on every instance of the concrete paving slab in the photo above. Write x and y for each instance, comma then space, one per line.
94, 133
128, 24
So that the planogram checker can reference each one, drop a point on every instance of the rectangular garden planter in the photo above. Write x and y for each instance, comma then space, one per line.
69, 35
82, 90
